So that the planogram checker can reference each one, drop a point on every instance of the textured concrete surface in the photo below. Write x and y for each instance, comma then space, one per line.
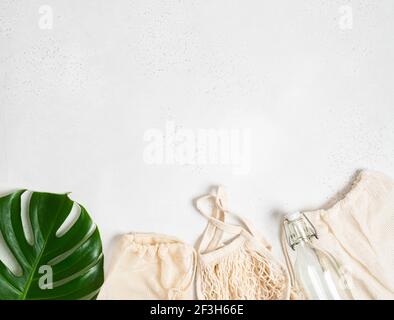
304, 90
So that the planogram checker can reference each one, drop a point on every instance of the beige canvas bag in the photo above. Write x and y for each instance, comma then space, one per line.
359, 232
150, 266
241, 267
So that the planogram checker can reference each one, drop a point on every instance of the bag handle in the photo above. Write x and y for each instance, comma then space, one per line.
217, 225
289, 266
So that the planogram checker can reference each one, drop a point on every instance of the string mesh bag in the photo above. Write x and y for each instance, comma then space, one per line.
234, 261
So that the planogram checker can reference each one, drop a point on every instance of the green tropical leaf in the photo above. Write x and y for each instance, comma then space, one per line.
74, 258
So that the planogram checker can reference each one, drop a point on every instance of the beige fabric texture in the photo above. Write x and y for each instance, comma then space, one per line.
359, 232
240, 267
150, 266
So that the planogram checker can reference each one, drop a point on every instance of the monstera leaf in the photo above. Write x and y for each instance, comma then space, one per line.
52, 266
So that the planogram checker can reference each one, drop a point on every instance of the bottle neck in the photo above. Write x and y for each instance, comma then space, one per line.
299, 231
302, 242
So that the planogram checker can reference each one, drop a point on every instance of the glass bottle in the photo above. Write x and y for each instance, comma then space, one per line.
316, 272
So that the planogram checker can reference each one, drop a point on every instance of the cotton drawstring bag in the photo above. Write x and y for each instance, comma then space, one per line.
150, 266
241, 267
359, 232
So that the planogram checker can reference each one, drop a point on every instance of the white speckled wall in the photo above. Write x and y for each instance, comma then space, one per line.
85, 84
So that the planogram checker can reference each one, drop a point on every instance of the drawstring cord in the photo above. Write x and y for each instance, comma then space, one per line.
176, 292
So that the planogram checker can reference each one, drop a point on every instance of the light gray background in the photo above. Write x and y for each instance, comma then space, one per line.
76, 100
